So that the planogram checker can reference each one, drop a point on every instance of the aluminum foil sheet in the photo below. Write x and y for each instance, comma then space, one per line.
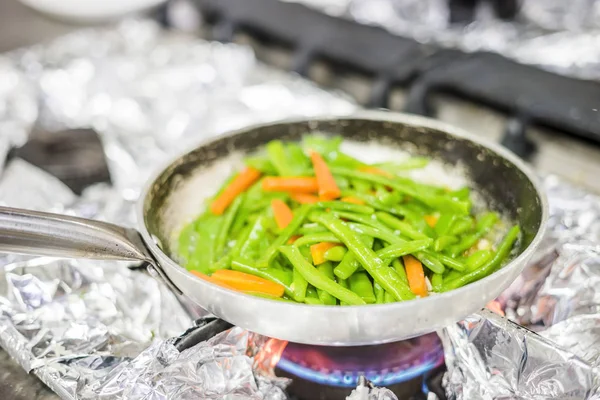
100, 329
560, 36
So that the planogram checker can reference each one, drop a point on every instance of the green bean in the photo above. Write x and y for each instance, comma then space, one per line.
278, 158
329, 149
284, 236
336, 253
372, 201
483, 226
385, 276
478, 258
399, 268
473, 262
361, 285
299, 285
312, 297
228, 218
503, 251
281, 276
361, 186
463, 223
449, 261
404, 228
327, 269
436, 282
309, 229
427, 258
207, 229
443, 242
263, 164
344, 206
317, 278
444, 223
388, 298
316, 238
402, 249
379, 293
383, 234
387, 198
349, 263
360, 218
225, 261
298, 161
343, 283
462, 193
430, 261
440, 202
250, 249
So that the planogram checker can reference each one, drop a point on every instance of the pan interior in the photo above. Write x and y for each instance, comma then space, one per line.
178, 195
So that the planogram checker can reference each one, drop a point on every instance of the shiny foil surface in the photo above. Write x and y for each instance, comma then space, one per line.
103, 330
557, 35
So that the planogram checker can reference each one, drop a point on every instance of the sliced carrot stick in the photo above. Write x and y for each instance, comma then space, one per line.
354, 200
248, 283
282, 213
211, 280
328, 189
317, 251
238, 185
415, 275
431, 220
297, 184
293, 239
375, 171
304, 198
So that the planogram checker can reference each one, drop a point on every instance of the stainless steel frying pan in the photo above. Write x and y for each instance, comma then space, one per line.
175, 196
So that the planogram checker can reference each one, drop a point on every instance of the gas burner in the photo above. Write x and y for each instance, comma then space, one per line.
331, 372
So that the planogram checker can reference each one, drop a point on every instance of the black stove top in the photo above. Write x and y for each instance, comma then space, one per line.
527, 95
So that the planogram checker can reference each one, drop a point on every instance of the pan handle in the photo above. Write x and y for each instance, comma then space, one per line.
47, 234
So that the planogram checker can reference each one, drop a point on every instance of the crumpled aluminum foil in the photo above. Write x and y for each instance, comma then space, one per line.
161, 371
560, 36
366, 391
557, 296
99, 329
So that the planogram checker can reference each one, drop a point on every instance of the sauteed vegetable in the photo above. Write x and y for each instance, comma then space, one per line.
308, 223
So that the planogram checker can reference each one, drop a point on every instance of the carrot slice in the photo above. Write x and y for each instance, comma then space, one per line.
293, 239
281, 211
415, 275
431, 220
317, 251
211, 280
328, 189
238, 185
354, 200
298, 184
304, 198
375, 171
248, 283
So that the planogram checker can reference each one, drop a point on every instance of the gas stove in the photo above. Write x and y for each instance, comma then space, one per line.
319, 372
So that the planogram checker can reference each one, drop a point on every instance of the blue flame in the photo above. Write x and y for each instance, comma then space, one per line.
341, 379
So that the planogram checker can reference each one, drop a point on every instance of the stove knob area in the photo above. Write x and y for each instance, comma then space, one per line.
515, 138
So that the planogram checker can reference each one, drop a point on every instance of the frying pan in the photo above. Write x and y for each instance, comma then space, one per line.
175, 195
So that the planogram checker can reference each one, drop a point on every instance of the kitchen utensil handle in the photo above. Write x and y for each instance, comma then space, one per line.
47, 234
